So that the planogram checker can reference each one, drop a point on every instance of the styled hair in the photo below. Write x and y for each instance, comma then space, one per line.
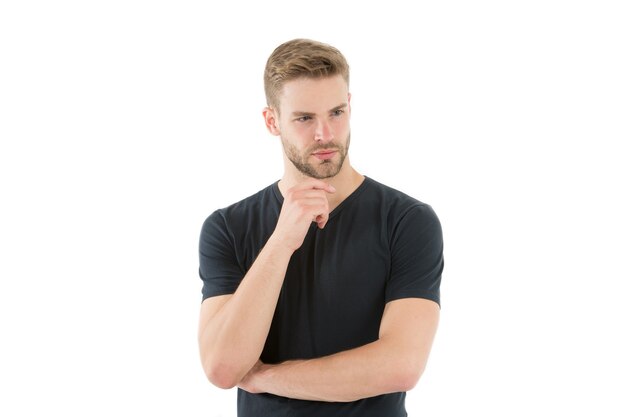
301, 58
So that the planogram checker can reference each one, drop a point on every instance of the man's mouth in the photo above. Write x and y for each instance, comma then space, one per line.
325, 154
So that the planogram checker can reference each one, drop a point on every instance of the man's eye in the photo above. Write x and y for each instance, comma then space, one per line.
303, 118
338, 112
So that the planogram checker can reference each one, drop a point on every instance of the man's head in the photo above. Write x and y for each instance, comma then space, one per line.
306, 85
301, 58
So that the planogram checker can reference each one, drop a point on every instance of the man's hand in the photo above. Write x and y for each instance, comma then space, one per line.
304, 203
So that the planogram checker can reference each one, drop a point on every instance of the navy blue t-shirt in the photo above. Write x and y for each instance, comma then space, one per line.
379, 245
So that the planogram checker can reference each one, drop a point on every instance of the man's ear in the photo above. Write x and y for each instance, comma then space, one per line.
349, 108
271, 120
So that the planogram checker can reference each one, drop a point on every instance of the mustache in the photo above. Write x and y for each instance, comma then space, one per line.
325, 147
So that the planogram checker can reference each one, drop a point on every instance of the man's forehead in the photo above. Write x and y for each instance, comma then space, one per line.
319, 94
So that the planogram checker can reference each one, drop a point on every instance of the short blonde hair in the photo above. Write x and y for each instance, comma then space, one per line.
301, 58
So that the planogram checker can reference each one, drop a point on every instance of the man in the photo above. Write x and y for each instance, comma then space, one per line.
321, 292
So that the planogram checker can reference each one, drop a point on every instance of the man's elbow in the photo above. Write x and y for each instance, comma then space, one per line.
221, 375
407, 378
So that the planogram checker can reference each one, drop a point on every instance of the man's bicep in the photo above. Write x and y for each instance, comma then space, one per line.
416, 256
210, 308
219, 267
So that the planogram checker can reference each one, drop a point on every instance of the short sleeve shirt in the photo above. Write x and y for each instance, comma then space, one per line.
379, 245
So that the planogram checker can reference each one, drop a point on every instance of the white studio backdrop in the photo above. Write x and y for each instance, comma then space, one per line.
123, 124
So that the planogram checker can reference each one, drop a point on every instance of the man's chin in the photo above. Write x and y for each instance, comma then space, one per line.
323, 175
324, 170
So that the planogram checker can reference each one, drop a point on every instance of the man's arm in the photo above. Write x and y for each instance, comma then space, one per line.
233, 328
393, 363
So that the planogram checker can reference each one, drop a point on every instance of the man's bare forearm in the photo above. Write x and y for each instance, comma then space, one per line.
232, 337
393, 363
374, 369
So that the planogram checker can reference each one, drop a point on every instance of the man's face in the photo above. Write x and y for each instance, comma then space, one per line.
314, 125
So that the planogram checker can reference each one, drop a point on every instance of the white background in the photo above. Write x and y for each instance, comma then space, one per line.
123, 124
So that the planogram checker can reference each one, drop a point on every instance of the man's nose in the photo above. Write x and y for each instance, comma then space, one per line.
323, 131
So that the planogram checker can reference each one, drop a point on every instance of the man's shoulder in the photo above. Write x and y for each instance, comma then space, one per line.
261, 198
390, 196
254, 205
398, 207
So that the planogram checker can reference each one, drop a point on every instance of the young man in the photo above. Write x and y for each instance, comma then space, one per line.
321, 291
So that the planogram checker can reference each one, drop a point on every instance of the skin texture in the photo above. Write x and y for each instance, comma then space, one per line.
313, 123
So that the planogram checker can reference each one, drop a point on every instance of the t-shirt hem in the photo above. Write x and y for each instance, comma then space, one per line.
216, 294
425, 295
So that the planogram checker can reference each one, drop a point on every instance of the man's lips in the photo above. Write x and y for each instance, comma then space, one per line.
325, 154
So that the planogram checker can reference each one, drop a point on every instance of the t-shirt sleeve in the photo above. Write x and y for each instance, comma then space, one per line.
416, 256
219, 269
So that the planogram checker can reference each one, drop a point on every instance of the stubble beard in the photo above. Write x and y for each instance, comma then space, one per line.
319, 170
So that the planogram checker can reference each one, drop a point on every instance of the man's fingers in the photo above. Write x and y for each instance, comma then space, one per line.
321, 220
310, 196
327, 187
316, 185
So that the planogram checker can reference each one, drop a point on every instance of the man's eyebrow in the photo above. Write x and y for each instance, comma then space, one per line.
301, 113
308, 113
339, 107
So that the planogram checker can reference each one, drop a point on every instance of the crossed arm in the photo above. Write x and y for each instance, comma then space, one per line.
393, 363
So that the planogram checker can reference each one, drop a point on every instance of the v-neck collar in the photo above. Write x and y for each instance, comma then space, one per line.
352, 196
